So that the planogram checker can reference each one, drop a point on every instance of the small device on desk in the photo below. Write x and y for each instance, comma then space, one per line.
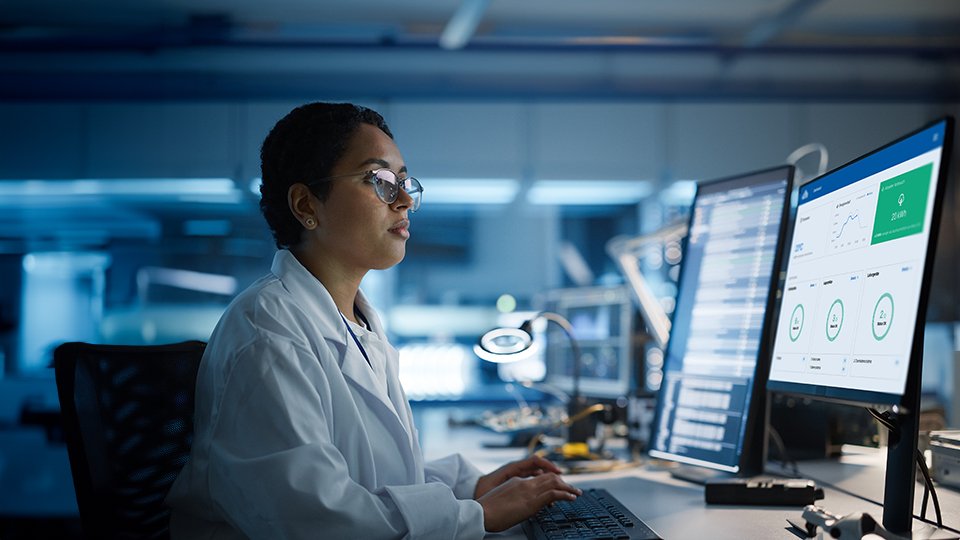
762, 491
577, 458
527, 418
595, 514
854, 526
524, 424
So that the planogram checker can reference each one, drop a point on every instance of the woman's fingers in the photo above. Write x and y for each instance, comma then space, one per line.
541, 462
533, 467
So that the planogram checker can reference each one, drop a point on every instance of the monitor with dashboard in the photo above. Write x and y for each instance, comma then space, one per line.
711, 402
853, 308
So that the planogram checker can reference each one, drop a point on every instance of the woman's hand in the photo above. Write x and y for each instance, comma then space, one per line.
519, 498
517, 490
531, 466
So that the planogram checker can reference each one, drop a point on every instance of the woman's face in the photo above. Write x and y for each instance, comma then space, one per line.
355, 227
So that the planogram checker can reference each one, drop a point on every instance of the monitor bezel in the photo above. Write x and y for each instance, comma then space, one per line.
864, 397
753, 437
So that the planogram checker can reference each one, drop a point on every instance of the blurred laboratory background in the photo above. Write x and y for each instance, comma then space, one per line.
551, 137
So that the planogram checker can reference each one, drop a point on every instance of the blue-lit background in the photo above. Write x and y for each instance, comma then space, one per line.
129, 163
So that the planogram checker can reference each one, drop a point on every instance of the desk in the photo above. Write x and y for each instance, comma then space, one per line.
676, 509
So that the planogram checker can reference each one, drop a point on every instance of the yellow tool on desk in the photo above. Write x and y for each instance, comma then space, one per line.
576, 458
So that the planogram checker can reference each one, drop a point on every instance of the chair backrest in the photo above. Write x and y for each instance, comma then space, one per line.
128, 423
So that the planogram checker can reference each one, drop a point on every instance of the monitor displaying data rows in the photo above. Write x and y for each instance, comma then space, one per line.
707, 398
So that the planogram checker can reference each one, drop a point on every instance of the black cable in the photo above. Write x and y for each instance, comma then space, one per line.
885, 420
785, 458
928, 485
923, 505
926, 496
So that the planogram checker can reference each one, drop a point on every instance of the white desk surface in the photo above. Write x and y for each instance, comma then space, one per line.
676, 508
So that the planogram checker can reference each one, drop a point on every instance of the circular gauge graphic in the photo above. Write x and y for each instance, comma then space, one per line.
882, 317
834, 319
796, 322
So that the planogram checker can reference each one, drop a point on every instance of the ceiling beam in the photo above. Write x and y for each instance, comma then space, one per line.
297, 85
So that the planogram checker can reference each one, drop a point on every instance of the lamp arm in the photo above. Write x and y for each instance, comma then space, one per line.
547, 388
563, 323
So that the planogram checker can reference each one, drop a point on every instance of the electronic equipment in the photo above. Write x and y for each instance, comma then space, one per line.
945, 457
855, 526
711, 402
595, 514
603, 321
762, 491
857, 281
650, 265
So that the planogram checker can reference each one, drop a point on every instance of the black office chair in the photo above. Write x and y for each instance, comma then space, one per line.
128, 423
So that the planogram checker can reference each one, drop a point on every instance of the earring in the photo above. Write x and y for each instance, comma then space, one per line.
311, 223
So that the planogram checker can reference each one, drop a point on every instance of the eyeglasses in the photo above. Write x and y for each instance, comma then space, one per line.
387, 185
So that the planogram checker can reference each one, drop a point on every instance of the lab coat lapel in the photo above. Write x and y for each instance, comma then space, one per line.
395, 390
317, 302
392, 363
358, 373
399, 399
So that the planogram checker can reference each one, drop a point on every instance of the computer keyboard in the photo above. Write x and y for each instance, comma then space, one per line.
596, 514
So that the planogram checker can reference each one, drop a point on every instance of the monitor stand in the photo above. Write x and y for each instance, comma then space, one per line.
698, 475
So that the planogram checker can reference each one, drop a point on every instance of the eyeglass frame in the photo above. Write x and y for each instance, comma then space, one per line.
371, 174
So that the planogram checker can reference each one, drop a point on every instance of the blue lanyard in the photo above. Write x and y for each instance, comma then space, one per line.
354, 336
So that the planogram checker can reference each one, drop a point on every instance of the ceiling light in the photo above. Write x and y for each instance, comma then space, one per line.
469, 190
122, 187
680, 192
589, 192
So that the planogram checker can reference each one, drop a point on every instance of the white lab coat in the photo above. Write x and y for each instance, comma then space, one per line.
296, 436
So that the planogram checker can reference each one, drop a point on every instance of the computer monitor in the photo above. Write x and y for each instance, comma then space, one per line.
855, 297
711, 402
603, 324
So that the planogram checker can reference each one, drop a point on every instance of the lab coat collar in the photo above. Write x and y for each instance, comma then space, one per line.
312, 296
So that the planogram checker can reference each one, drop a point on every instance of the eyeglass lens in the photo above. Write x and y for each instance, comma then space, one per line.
388, 187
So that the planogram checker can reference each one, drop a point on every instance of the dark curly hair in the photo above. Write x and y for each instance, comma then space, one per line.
304, 145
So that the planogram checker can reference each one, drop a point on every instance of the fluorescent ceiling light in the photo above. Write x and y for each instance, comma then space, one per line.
410, 320
469, 190
185, 279
589, 192
463, 24
119, 187
680, 192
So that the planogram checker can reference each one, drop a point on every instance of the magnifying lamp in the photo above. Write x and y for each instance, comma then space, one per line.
502, 345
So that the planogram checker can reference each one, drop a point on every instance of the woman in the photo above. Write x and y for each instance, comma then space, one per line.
301, 428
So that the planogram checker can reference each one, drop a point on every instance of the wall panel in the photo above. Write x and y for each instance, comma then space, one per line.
42, 140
